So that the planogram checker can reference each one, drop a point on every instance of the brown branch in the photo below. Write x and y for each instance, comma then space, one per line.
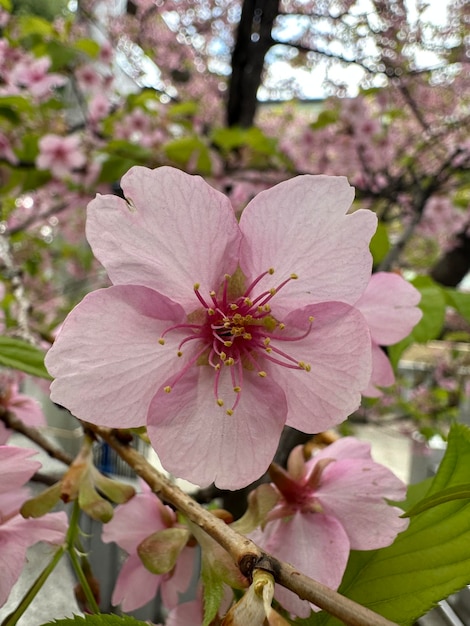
12, 422
243, 551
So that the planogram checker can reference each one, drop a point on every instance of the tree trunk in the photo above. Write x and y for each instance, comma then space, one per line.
253, 42
454, 264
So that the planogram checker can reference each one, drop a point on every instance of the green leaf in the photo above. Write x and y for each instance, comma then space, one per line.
181, 151
460, 301
34, 25
97, 620
20, 355
459, 492
433, 305
427, 562
7, 5
90, 47
380, 244
213, 593
325, 118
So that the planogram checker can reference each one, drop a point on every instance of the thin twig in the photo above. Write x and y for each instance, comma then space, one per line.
243, 551
12, 422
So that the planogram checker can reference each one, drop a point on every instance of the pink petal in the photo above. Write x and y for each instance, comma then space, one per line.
300, 227
178, 581
344, 448
135, 585
186, 614
17, 535
354, 491
28, 410
134, 521
195, 438
315, 544
107, 358
176, 231
382, 373
15, 467
11, 502
389, 305
338, 350
12, 556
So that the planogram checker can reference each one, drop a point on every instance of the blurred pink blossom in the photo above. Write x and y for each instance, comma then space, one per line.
60, 154
390, 307
195, 308
329, 505
26, 409
33, 74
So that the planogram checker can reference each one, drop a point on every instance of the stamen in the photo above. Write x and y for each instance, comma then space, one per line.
256, 281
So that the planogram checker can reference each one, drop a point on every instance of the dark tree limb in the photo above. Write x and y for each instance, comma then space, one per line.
452, 267
253, 41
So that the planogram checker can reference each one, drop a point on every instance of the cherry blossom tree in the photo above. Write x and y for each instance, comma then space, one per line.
206, 315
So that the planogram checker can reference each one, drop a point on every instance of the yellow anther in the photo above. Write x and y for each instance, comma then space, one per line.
269, 350
311, 318
234, 306
167, 389
271, 270
212, 294
161, 341
179, 353
210, 312
227, 276
228, 344
217, 366
294, 276
220, 402
262, 374
229, 361
304, 366
308, 367
237, 389
267, 341
266, 308
229, 411
272, 291
223, 356
196, 286
248, 302
247, 336
282, 326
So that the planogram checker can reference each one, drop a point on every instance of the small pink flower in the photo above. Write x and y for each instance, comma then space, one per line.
34, 76
333, 503
26, 409
98, 107
133, 522
59, 154
389, 305
217, 333
16, 533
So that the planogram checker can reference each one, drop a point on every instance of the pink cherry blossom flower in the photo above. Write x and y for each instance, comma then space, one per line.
333, 503
33, 75
133, 522
217, 333
389, 305
26, 409
59, 154
16, 533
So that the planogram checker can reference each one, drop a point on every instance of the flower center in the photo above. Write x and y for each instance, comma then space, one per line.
238, 332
